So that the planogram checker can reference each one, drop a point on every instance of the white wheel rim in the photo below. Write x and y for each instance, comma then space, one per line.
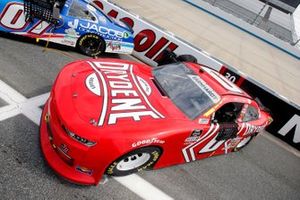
133, 161
243, 142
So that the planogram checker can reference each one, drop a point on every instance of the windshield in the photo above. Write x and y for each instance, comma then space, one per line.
79, 10
187, 90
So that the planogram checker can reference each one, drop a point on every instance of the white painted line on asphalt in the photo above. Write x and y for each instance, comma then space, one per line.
9, 111
10, 95
20, 104
30, 108
32, 113
39, 100
142, 188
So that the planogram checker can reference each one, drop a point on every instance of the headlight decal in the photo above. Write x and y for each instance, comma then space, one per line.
79, 139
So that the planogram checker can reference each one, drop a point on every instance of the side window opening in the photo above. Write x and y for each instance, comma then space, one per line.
250, 114
228, 113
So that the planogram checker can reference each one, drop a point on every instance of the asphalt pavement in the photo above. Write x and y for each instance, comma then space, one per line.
263, 170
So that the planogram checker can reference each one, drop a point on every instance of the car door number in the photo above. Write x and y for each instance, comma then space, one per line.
13, 17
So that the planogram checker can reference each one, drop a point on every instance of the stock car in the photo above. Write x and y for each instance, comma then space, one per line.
79, 24
117, 117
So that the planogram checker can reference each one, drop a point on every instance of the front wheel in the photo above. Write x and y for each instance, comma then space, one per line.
91, 45
137, 160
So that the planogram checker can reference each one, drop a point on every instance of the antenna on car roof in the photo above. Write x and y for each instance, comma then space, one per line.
46, 10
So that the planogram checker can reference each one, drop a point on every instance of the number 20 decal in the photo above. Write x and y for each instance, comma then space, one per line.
13, 18
230, 77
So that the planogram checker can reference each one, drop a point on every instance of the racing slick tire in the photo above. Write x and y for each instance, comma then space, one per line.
187, 58
134, 161
244, 142
91, 45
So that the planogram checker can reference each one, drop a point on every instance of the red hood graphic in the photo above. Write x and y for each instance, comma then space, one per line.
122, 94
110, 92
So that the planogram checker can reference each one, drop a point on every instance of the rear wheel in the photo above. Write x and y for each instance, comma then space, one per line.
91, 45
137, 160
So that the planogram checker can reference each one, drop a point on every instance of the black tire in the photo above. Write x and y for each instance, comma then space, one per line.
91, 45
122, 166
187, 58
239, 146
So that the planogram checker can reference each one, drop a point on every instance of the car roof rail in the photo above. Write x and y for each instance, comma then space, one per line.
46, 10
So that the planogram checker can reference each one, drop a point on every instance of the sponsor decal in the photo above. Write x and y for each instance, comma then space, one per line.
230, 144
249, 129
145, 86
234, 142
91, 27
92, 84
194, 136
114, 45
191, 139
196, 133
128, 99
147, 142
126, 35
203, 121
205, 88
68, 41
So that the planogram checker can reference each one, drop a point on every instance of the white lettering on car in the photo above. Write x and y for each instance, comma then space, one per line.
92, 27
127, 100
148, 141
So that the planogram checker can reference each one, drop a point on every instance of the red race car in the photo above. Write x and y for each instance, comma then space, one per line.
116, 117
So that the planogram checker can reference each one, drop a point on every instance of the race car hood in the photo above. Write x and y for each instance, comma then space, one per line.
112, 93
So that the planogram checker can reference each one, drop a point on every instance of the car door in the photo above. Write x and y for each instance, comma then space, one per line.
195, 138
223, 129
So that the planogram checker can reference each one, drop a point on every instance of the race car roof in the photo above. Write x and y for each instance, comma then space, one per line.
219, 83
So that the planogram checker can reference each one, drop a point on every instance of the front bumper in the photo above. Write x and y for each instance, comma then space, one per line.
51, 154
